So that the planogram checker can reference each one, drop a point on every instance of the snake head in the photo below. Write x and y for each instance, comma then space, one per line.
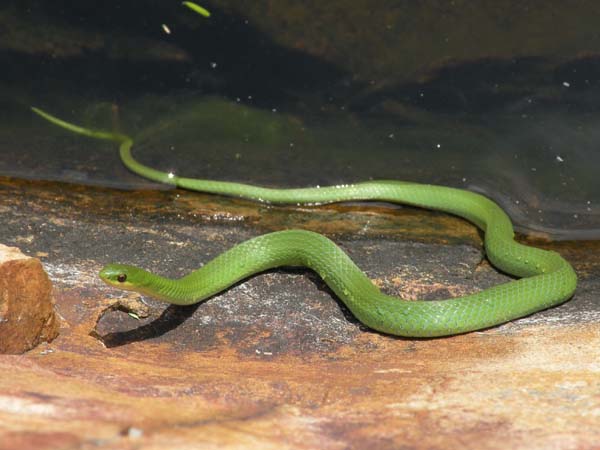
119, 275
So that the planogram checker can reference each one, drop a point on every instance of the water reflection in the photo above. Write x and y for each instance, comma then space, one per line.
248, 107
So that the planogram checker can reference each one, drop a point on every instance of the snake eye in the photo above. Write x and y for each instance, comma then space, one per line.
121, 278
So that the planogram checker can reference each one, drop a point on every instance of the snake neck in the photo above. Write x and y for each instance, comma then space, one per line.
155, 286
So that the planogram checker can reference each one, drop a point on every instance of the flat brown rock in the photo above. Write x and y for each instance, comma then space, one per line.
276, 362
26, 307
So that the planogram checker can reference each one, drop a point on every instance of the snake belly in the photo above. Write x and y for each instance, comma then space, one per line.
545, 278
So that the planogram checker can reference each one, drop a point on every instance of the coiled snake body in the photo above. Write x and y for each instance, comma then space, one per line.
546, 279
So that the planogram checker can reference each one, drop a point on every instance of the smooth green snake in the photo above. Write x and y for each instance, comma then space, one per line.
546, 279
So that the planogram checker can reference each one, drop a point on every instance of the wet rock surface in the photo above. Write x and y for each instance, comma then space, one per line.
279, 351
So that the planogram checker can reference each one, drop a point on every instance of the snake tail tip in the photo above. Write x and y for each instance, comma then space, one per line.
42, 113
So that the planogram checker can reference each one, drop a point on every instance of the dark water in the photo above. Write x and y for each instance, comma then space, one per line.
504, 102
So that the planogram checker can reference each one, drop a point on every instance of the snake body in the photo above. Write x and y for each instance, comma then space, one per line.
546, 279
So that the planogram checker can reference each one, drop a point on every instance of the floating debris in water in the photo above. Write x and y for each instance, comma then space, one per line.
166, 29
559, 159
197, 8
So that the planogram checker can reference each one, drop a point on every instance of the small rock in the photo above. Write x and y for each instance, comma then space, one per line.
27, 314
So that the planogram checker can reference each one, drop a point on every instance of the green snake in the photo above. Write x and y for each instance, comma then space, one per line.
545, 278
